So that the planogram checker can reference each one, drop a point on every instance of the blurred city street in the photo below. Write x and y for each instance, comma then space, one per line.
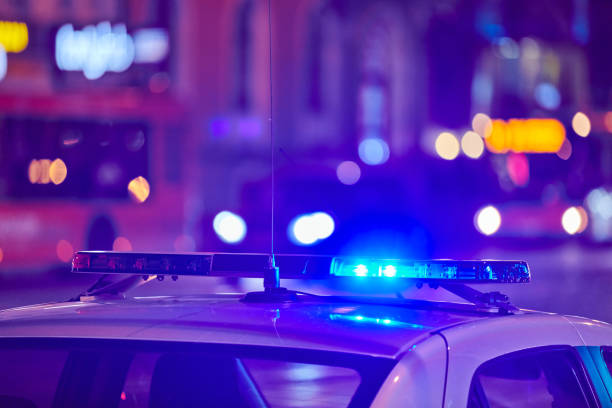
388, 129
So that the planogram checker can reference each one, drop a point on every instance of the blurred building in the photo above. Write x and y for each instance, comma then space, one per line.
143, 120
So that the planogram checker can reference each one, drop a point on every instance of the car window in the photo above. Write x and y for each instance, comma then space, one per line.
153, 376
606, 352
29, 378
548, 377
156, 379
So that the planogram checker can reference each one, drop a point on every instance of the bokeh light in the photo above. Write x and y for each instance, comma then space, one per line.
525, 135
508, 48
58, 171
308, 229
547, 96
45, 164
581, 124
482, 124
574, 220
517, 166
472, 145
3, 63
122, 244
229, 227
34, 171
14, 36
447, 146
373, 151
1, 255
64, 250
184, 243
139, 189
488, 220
608, 121
348, 172
565, 152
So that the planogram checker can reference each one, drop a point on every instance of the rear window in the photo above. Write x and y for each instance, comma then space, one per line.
161, 374
541, 377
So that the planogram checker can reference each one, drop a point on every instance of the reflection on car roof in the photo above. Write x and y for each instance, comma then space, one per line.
353, 327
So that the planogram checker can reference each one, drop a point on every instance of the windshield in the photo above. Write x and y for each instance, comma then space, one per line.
422, 129
76, 373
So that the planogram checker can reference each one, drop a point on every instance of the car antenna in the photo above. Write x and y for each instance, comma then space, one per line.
272, 292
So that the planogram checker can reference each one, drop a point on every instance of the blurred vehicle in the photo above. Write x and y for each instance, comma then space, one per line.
286, 349
81, 172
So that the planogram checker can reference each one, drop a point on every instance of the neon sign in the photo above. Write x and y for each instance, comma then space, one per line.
525, 136
13, 36
94, 50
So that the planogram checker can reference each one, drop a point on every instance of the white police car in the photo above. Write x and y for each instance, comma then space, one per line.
279, 348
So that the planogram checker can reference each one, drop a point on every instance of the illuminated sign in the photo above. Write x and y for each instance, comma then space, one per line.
13, 36
102, 48
94, 50
525, 136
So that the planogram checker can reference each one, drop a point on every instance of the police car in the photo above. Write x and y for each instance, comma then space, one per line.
281, 348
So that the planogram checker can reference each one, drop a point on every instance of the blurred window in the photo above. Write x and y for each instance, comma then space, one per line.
98, 158
546, 377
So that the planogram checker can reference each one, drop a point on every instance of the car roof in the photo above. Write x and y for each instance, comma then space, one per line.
311, 323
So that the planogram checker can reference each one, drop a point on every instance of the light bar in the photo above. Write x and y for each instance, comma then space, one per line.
298, 267
434, 270
200, 264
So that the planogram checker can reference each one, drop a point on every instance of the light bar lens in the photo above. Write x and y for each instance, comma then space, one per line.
437, 270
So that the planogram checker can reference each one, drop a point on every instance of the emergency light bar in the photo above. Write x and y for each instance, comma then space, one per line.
299, 267
434, 270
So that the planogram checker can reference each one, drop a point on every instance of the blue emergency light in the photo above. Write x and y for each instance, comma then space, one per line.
299, 267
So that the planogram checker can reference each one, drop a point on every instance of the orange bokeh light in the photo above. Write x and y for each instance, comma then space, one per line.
526, 136
58, 171
139, 189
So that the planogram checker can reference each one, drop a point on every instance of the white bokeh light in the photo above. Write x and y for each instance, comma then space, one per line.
574, 220
488, 220
308, 229
229, 227
472, 145
447, 146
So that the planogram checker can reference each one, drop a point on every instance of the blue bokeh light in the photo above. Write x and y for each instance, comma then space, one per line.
547, 96
373, 151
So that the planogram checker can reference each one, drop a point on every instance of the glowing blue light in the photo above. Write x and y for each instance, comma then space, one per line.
94, 50
219, 127
308, 229
373, 151
390, 271
229, 227
469, 271
547, 96
380, 321
3, 63
361, 270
